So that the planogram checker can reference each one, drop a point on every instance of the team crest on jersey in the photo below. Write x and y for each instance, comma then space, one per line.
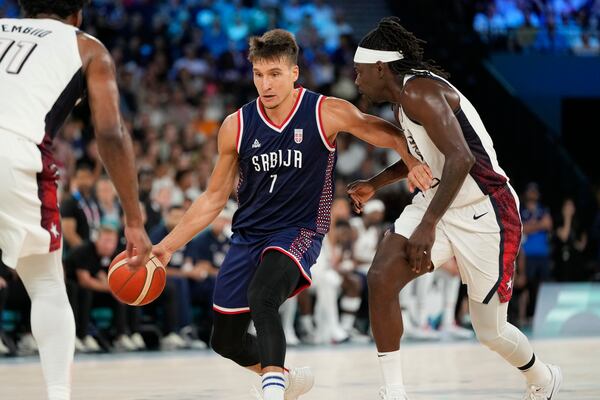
298, 135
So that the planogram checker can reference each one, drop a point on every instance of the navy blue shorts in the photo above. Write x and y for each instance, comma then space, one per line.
245, 255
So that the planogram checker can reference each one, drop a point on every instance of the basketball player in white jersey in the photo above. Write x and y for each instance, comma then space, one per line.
470, 212
46, 64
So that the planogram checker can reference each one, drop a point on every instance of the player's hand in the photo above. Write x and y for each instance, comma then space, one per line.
137, 240
419, 248
162, 253
419, 177
360, 192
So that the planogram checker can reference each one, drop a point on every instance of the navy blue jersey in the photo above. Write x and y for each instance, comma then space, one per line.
286, 172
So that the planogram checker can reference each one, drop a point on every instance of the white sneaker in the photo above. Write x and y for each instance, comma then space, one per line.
27, 344
138, 341
422, 334
3, 349
172, 342
291, 339
299, 382
79, 346
457, 332
188, 334
91, 345
390, 393
549, 391
124, 343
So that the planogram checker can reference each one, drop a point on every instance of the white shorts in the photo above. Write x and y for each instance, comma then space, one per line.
29, 216
484, 237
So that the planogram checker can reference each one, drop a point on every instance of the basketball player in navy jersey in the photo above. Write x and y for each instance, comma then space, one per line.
470, 212
46, 65
283, 146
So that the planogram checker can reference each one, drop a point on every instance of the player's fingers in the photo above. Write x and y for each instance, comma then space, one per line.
411, 187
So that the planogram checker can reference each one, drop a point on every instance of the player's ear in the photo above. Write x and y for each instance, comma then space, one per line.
295, 72
380, 69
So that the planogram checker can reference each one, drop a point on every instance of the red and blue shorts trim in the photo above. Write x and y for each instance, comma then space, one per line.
301, 245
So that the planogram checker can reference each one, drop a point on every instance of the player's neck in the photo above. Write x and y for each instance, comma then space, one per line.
50, 16
395, 89
278, 114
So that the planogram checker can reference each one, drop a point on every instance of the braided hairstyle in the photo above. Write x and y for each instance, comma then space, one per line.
390, 35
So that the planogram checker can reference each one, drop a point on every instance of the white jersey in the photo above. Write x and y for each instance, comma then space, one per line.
41, 76
485, 177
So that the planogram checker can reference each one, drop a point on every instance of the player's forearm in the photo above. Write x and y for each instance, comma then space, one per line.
455, 171
202, 212
402, 148
391, 174
116, 151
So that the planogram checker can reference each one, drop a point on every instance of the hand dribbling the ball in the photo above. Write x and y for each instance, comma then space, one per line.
137, 239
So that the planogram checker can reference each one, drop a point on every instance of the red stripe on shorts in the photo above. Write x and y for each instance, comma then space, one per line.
47, 193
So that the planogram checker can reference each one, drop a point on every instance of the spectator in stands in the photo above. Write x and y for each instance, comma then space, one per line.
206, 253
570, 242
6, 276
586, 45
80, 212
550, 39
106, 196
90, 261
537, 229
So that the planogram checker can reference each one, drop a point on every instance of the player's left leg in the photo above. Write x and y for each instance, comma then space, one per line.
52, 321
277, 277
494, 331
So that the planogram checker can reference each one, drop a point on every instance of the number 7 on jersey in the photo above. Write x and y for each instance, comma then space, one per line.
274, 177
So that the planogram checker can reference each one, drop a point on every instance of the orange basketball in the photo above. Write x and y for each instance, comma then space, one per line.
136, 288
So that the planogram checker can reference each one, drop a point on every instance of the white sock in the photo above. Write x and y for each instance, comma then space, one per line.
273, 386
52, 322
391, 369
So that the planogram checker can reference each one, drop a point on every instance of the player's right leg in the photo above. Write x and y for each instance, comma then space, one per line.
52, 322
389, 273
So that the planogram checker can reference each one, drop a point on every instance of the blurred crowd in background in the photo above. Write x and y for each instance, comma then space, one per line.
182, 68
540, 26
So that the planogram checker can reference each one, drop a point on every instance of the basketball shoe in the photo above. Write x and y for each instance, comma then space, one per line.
549, 391
299, 382
391, 393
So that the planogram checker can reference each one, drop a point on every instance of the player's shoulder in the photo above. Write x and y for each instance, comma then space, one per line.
92, 49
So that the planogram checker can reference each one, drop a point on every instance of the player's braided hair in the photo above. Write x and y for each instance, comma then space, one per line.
390, 35
62, 8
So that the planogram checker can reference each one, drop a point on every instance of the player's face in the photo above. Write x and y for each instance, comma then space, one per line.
274, 80
368, 81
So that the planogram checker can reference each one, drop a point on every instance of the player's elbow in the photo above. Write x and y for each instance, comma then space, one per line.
463, 161
109, 134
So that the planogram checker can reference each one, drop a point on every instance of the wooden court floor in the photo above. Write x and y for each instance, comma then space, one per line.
449, 371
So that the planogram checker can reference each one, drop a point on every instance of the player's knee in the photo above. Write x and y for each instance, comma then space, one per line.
225, 348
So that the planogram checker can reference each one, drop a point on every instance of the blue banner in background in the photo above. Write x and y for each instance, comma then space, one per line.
542, 81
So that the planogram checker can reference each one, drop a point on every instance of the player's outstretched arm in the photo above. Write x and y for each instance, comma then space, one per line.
208, 205
342, 116
114, 142
362, 191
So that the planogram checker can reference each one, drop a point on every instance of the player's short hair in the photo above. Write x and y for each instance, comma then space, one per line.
62, 8
390, 35
273, 45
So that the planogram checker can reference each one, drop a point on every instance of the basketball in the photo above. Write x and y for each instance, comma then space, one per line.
136, 288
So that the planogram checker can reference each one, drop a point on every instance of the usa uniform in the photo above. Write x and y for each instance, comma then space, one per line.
285, 194
482, 228
41, 80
